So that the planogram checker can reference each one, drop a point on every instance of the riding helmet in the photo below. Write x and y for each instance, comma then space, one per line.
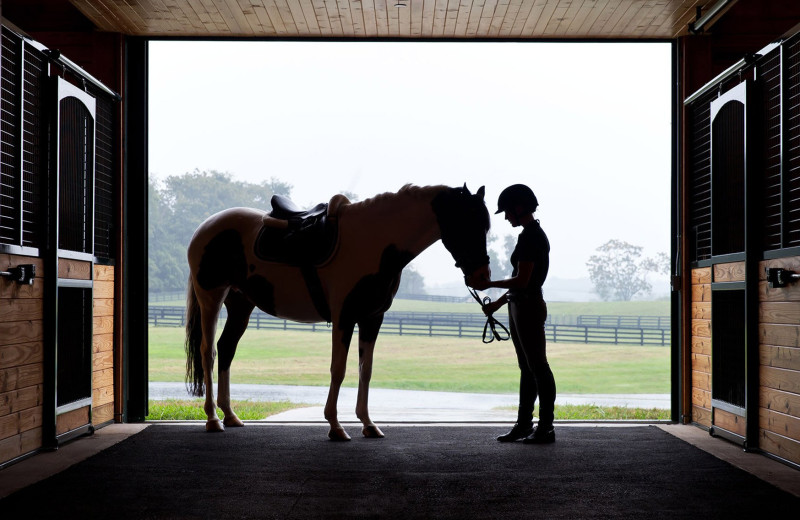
517, 195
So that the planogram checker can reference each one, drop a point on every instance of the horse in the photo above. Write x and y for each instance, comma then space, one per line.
339, 262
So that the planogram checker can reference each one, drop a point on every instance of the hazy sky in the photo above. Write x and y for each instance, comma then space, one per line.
586, 126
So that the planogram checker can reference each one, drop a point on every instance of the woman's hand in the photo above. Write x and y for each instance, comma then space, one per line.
491, 307
479, 283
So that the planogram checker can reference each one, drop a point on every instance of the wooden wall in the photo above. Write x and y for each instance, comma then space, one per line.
103, 346
21, 355
701, 347
779, 374
779, 352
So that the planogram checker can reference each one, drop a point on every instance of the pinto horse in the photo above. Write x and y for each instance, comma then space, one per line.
347, 274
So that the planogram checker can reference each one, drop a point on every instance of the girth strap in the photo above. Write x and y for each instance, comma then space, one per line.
314, 286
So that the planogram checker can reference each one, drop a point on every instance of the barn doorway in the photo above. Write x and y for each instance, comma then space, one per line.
581, 123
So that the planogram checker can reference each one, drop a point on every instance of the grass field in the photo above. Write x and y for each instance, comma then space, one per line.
422, 363
192, 409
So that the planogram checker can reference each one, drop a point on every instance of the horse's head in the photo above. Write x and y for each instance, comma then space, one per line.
464, 222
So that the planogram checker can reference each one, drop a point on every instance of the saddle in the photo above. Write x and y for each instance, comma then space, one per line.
297, 237
285, 209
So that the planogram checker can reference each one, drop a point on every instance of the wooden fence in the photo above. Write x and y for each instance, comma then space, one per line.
618, 330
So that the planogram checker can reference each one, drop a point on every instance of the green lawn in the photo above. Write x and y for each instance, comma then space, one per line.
192, 409
422, 363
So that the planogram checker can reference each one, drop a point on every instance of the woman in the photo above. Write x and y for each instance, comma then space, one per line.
527, 312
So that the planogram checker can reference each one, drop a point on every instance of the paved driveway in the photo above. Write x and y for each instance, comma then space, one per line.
405, 405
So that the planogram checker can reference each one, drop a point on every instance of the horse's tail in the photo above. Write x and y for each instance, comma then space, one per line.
194, 338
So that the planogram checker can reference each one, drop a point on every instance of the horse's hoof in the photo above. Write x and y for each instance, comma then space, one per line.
232, 421
372, 432
338, 434
214, 425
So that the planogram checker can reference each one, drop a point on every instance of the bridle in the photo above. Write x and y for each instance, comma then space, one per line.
468, 261
491, 321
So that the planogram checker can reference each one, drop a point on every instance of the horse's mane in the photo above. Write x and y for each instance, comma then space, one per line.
408, 191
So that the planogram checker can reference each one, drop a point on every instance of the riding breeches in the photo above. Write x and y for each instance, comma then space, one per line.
526, 319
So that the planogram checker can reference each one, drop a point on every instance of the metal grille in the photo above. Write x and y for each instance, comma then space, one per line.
9, 152
792, 159
699, 124
770, 74
74, 340
105, 186
728, 348
34, 148
24, 156
727, 174
76, 176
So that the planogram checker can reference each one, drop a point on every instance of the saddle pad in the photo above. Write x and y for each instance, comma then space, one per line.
304, 243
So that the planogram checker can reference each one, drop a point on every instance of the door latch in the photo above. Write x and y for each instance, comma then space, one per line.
780, 277
23, 274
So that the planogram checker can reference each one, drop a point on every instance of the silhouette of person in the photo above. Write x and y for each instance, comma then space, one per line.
527, 312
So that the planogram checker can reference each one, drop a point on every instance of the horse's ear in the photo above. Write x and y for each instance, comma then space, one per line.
481, 192
466, 190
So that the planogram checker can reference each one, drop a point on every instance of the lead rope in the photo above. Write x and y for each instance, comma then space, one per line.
491, 321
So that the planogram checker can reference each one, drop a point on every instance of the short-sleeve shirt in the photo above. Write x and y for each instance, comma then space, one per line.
532, 246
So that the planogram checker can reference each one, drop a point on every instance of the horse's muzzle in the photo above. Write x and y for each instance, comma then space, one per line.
482, 272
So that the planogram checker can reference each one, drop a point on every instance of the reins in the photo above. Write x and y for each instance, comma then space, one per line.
491, 321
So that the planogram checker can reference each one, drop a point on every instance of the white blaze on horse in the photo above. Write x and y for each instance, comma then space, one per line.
338, 262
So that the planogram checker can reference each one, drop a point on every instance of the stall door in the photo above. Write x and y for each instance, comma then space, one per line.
728, 303
70, 256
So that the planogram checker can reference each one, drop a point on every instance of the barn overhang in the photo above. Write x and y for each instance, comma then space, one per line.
108, 39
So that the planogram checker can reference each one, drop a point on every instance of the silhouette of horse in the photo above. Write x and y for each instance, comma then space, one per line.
338, 262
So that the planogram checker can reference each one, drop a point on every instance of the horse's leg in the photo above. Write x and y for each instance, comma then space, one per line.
210, 304
367, 335
239, 310
339, 348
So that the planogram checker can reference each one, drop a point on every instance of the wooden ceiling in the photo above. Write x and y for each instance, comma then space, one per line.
525, 19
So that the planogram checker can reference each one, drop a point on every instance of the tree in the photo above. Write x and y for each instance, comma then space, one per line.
167, 265
501, 268
619, 273
180, 203
411, 282
352, 197
193, 197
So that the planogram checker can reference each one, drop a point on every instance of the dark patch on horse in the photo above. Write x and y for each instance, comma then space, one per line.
252, 268
261, 292
239, 309
346, 329
223, 261
372, 296
369, 328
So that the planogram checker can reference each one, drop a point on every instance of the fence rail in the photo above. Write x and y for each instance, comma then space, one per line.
625, 322
462, 325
